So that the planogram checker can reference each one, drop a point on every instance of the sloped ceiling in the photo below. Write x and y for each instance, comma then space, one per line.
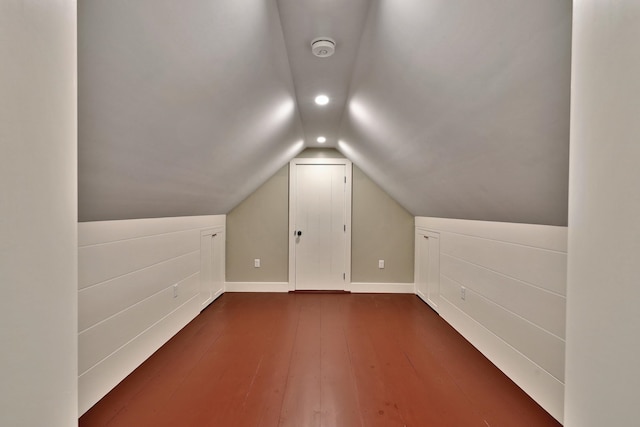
460, 109
456, 108
185, 107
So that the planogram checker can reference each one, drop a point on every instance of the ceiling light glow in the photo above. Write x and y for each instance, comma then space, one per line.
322, 99
321, 139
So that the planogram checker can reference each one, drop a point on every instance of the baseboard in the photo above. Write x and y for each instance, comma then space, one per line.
309, 291
371, 288
382, 288
257, 287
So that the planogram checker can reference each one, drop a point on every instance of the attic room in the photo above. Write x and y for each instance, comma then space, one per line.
472, 161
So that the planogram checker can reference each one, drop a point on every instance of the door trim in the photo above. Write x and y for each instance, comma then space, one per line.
432, 278
292, 203
206, 235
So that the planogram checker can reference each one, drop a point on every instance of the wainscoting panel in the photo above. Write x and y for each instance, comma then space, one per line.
104, 261
511, 294
100, 301
503, 287
139, 284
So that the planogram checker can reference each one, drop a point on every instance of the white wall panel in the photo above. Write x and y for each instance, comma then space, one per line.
539, 267
513, 311
538, 383
543, 348
539, 236
108, 336
511, 294
99, 380
101, 262
91, 233
100, 301
603, 316
127, 271
38, 213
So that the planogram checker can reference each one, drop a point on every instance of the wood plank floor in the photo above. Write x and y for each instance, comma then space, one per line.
309, 360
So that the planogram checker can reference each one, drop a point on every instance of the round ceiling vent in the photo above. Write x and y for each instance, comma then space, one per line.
323, 47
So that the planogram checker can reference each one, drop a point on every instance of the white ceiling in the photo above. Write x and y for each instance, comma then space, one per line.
457, 108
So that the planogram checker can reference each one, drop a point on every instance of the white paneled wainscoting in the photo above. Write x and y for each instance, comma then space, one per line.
139, 282
503, 287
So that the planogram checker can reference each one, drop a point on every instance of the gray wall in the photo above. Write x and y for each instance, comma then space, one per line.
320, 153
380, 229
258, 228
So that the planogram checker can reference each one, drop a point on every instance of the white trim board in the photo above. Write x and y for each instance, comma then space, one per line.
257, 287
382, 288
363, 288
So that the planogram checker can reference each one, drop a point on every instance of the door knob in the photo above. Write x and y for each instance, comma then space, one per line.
299, 233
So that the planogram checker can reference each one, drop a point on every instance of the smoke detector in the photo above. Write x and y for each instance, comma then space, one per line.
323, 47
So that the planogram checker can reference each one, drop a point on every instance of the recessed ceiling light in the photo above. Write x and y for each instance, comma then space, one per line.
321, 139
322, 99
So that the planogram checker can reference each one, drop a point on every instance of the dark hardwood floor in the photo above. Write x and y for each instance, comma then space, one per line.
307, 360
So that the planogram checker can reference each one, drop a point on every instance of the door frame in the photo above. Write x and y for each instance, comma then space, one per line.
292, 214
206, 237
432, 277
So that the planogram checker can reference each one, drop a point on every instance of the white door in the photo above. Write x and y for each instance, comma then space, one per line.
320, 227
428, 267
211, 266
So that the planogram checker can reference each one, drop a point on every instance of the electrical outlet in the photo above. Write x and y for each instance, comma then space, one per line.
175, 290
256, 263
380, 263
463, 293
